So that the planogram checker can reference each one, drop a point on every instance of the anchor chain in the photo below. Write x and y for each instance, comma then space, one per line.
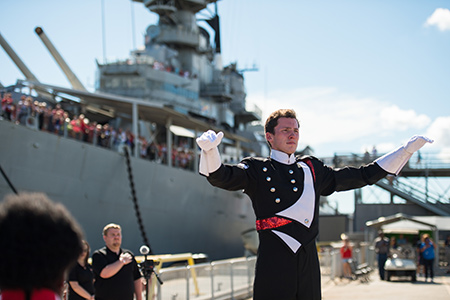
135, 202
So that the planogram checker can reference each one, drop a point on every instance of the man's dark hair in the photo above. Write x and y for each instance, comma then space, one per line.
272, 120
39, 242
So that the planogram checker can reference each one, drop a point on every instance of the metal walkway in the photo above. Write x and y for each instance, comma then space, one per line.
434, 204
424, 166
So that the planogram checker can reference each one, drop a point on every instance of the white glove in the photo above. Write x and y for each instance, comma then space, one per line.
416, 142
209, 158
209, 140
394, 161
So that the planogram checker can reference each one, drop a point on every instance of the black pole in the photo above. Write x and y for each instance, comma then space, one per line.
147, 277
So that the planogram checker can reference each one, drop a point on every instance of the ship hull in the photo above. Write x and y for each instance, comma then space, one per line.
181, 212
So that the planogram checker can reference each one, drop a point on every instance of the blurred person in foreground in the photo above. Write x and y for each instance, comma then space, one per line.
81, 278
285, 192
117, 275
39, 242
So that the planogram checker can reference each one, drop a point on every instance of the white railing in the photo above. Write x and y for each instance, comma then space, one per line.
227, 279
233, 278
331, 263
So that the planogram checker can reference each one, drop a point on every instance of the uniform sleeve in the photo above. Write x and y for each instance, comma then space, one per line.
334, 180
233, 177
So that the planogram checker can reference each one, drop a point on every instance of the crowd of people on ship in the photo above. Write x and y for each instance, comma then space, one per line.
45, 117
171, 69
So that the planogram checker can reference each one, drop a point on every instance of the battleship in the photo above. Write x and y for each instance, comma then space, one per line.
175, 88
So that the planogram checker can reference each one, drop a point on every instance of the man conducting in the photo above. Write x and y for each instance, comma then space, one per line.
285, 192
116, 272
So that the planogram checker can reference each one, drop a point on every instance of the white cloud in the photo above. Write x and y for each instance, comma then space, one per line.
325, 114
395, 118
328, 116
440, 18
439, 130
338, 116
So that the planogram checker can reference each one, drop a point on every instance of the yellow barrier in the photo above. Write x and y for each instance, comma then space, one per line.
160, 259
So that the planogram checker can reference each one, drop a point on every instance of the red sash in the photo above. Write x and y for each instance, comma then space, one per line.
271, 223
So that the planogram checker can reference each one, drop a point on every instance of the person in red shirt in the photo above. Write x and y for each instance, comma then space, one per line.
8, 108
346, 256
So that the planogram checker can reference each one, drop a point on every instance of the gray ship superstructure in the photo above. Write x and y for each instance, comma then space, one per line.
181, 69
177, 80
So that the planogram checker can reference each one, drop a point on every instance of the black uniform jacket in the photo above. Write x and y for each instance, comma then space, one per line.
276, 189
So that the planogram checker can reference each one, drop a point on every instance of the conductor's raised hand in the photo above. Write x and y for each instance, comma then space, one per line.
416, 142
209, 140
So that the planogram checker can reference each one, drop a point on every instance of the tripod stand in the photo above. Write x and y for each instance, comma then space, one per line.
148, 267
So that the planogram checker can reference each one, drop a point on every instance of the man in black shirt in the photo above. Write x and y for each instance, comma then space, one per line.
116, 272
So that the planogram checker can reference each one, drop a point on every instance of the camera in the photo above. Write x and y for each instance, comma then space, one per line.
147, 267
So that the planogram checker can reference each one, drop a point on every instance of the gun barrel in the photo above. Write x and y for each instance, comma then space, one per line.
73, 79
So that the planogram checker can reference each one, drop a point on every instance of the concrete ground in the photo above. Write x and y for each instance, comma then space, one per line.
399, 288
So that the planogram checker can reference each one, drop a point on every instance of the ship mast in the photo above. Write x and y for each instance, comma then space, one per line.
177, 26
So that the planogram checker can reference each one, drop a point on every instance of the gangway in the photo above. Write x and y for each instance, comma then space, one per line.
426, 166
437, 206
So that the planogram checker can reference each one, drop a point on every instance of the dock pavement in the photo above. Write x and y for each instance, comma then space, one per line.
399, 288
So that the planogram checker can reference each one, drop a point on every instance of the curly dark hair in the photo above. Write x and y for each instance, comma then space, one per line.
39, 242
272, 120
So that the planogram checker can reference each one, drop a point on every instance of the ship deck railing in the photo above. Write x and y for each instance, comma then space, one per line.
109, 143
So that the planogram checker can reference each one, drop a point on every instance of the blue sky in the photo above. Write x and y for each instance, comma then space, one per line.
358, 73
